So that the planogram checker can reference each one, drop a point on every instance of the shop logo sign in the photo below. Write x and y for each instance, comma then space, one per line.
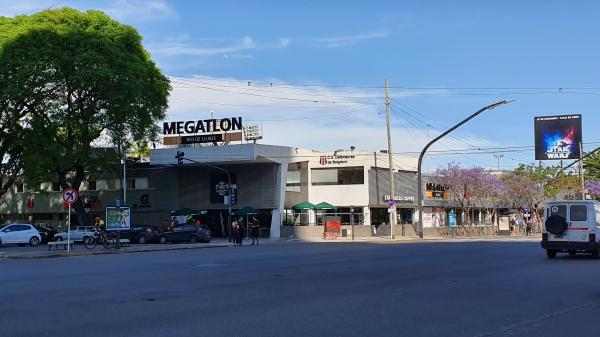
323, 160
221, 188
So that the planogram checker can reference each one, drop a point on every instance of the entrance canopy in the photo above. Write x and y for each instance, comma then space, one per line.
246, 211
325, 206
304, 205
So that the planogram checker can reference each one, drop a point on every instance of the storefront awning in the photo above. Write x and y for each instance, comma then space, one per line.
324, 206
304, 205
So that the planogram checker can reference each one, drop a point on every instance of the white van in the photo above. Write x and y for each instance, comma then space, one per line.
571, 226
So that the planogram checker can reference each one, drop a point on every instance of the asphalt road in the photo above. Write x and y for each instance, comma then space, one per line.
425, 289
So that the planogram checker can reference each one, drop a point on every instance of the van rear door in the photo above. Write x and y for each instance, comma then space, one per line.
579, 226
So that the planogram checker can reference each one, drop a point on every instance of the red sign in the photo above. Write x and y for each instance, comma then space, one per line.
70, 195
332, 228
323, 160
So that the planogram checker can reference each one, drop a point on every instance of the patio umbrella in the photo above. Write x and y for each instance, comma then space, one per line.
325, 206
304, 205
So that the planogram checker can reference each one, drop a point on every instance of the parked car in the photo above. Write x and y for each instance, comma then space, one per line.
142, 234
187, 233
20, 234
47, 233
77, 233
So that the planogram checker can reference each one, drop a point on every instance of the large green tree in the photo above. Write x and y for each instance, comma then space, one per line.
75, 78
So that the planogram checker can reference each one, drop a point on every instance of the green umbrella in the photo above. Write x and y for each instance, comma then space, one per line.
246, 210
304, 205
325, 206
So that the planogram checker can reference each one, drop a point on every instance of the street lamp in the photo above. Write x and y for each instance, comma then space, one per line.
419, 187
498, 156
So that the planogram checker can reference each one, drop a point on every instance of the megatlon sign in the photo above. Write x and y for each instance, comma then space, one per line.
201, 126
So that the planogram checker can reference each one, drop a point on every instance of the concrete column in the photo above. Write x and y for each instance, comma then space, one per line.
279, 190
367, 216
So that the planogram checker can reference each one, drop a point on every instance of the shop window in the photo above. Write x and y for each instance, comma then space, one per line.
20, 188
92, 185
338, 176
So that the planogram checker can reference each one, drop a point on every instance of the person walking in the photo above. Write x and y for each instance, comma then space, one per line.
255, 229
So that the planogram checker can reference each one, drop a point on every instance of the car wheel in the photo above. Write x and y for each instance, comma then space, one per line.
572, 253
162, 239
551, 253
59, 238
193, 239
596, 254
142, 239
34, 241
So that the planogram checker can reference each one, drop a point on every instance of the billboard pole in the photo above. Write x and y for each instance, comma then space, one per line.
581, 171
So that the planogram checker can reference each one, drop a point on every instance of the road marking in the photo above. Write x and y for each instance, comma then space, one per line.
525, 326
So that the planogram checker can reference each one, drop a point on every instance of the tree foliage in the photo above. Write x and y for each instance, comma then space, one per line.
591, 165
74, 77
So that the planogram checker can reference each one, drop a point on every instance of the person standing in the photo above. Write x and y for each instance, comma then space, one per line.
240, 231
235, 228
255, 229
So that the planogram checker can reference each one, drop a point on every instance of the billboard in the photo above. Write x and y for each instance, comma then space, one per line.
557, 137
118, 218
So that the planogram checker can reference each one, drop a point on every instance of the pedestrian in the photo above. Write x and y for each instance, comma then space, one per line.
255, 229
528, 228
235, 228
240, 232
511, 224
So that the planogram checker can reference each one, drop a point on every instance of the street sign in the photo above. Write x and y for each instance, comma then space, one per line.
527, 209
391, 202
118, 203
70, 195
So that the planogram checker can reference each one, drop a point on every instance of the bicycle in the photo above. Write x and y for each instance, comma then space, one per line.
107, 240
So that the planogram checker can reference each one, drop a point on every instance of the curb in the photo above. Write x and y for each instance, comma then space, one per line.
105, 252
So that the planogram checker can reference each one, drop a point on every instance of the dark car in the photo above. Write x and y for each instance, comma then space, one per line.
46, 232
142, 234
187, 233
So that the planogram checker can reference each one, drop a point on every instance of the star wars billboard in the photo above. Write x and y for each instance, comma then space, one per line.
557, 137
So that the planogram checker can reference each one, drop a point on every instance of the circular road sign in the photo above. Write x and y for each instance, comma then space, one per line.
391, 202
70, 195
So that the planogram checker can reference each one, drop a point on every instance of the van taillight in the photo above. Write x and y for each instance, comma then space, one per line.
592, 237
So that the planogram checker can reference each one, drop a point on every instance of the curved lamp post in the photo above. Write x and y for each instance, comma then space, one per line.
419, 187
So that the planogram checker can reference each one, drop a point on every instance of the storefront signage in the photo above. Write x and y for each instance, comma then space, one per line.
253, 132
332, 228
218, 137
202, 126
337, 159
437, 191
399, 198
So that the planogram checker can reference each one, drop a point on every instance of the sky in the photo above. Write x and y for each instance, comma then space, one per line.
312, 72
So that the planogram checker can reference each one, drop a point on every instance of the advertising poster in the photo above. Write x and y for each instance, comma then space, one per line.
557, 137
118, 218
219, 187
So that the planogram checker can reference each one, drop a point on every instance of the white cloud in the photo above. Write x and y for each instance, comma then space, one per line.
290, 116
10, 8
138, 10
347, 40
204, 48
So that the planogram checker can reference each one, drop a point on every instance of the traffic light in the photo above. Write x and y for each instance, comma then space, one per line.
179, 157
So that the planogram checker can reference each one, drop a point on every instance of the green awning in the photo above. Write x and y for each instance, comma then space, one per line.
246, 210
304, 205
324, 206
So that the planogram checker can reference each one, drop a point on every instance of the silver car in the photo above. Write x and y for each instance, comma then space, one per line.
77, 233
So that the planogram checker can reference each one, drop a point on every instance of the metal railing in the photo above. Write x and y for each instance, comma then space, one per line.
318, 219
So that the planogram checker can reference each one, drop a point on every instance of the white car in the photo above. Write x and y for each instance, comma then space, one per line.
572, 226
20, 234
77, 233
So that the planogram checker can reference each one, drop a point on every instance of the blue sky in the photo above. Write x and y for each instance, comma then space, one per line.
506, 45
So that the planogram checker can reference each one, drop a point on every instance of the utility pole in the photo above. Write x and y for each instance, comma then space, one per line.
498, 156
392, 209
